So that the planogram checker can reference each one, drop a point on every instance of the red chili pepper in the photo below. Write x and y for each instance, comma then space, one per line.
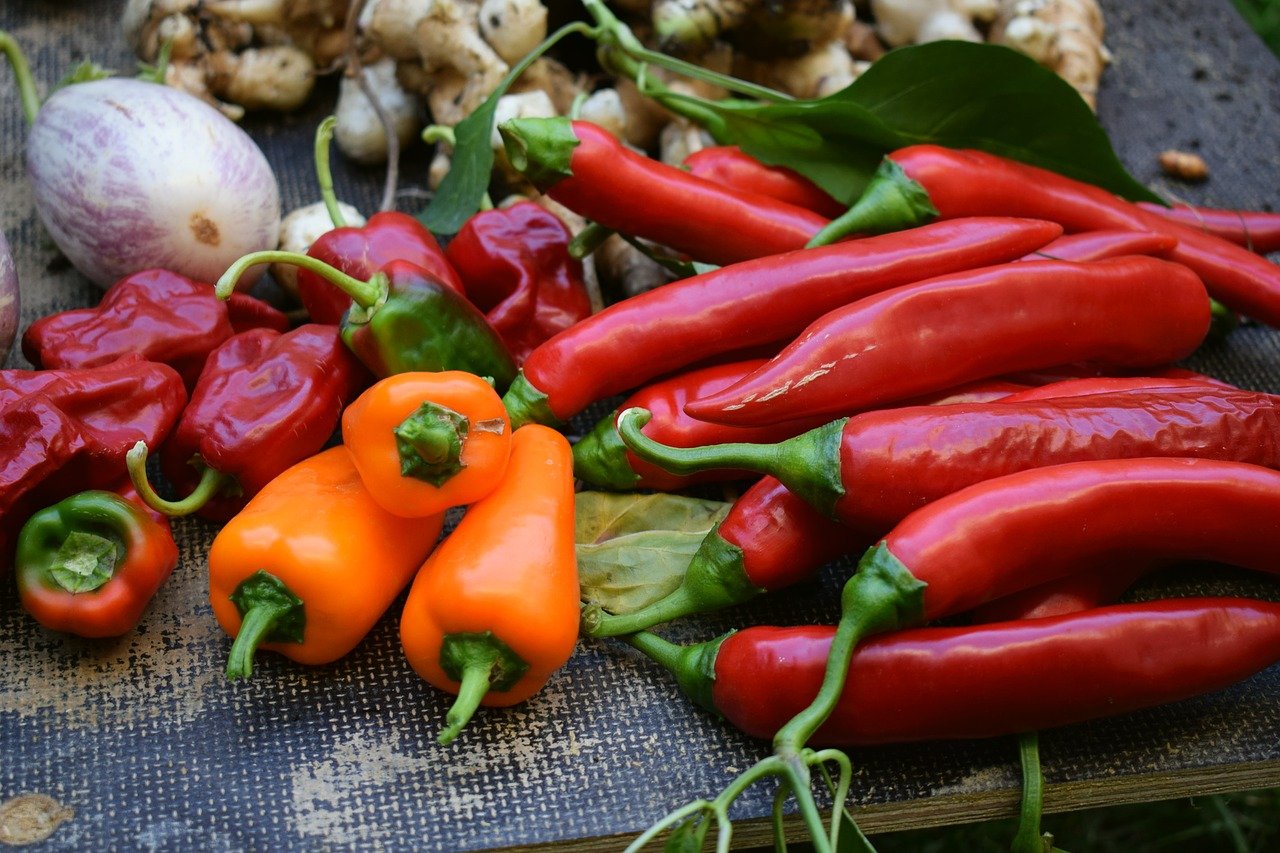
918, 183
1100, 245
730, 166
515, 264
743, 305
69, 430
984, 681
264, 402
1111, 385
360, 252
585, 168
1094, 587
1255, 230
939, 333
91, 563
160, 315
769, 540
873, 469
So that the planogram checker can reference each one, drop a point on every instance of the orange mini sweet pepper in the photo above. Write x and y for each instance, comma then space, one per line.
494, 611
311, 563
424, 442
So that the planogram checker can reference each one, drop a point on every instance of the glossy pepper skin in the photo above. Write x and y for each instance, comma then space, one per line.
769, 540
425, 442
873, 469
730, 166
1256, 230
91, 563
515, 264
1103, 244
743, 305
362, 251
946, 183
264, 402
975, 682
160, 315
494, 611
69, 430
585, 168
1129, 312
315, 560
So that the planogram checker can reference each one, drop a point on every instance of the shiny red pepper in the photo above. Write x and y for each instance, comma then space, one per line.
587, 169
873, 469
1256, 230
1092, 587
975, 682
515, 264
1131, 312
362, 251
160, 315
91, 563
265, 401
743, 305
730, 166
921, 182
69, 430
1100, 245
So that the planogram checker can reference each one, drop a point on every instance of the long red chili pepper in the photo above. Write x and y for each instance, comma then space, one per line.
1256, 230
360, 252
587, 169
873, 469
984, 681
1093, 587
730, 166
1100, 245
743, 305
264, 402
921, 182
939, 333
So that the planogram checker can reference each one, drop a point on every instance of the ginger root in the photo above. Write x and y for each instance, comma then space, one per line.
902, 22
1062, 35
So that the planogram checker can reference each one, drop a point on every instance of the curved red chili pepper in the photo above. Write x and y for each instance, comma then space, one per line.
586, 168
949, 183
746, 304
362, 251
1100, 245
730, 166
1093, 587
956, 328
984, 681
1111, 385
515, 264
1255, 230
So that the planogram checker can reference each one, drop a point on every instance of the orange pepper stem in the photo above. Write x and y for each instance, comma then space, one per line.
430, 441
269, 612
480, 662
212, 481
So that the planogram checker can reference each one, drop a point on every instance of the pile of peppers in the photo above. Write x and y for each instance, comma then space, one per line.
966, 377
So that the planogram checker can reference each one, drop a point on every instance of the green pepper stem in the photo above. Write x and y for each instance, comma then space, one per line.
27, 93
588, 240
269, 612
693, 666
366, 294
434, 133
891, 202
257, 623
808, 464
525, 404
211, 482
479, 662
472, 688
1028, 838
881, 596
324, 173
430, 441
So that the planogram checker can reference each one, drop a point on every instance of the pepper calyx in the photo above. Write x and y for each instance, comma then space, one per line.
85, 561
479, 661
540, 148
525, 404
430, 441
600, 458
892, 201
270, 613
693, 666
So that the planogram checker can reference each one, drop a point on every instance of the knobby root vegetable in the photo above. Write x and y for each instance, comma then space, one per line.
902, 22
513, 27
1062, 35
359, 132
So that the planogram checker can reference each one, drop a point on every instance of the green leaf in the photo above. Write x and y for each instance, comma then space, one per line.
952, 93
634, 549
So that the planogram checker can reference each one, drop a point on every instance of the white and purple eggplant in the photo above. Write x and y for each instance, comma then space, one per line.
130, 175
9, 302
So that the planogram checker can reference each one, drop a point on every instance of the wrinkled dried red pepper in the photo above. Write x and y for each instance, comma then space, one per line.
514, 263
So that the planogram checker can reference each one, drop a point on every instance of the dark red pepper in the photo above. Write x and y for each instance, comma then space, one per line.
160, 315
514, 263
730, 166
587, 169
69, 430
921, 182
265, 401
743, 305
1100, 245
984, 681
1131, 312
1095, 586
362, 251
1256, 230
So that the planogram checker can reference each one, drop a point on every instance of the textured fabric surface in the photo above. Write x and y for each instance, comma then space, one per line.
151, 748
